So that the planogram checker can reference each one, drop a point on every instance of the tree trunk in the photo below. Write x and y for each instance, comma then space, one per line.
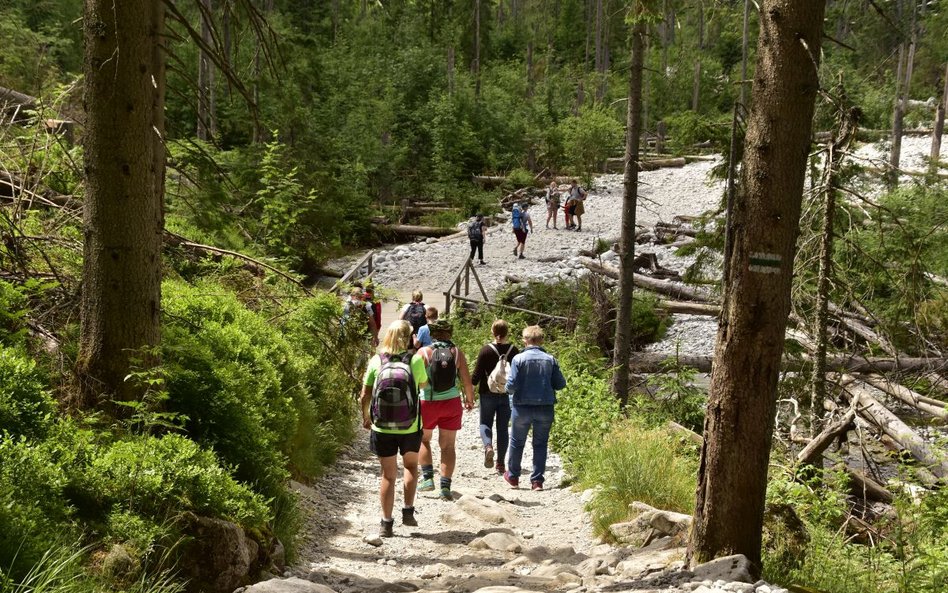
732, 476
123, 218
902, 86
939, 127
744, 35
476, 64
696, 84
206, 118
630, 182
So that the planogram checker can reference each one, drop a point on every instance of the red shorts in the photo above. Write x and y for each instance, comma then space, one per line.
445, 414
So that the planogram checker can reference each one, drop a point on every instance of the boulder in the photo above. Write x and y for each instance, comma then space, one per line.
645, 562
219, 556
502, 542
290, 585
728, 568
649, 525
485, 510
552, 571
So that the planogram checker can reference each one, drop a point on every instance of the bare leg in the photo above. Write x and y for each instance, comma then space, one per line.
424, 454
387, 489
446, 440
410, 460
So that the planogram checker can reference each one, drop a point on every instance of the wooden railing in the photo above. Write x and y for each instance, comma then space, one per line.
353, 273
467, 270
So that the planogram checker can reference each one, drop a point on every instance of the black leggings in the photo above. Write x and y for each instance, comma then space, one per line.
477, 246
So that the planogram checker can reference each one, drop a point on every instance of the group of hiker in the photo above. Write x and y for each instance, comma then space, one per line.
419, 382
522, 223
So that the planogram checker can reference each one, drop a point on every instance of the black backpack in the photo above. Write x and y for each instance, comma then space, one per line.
442, 367
474, 232
416, 316
394, 400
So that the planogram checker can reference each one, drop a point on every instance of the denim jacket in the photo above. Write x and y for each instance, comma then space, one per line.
534, 378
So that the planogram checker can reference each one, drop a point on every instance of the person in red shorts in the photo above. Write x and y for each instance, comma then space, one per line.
441, 405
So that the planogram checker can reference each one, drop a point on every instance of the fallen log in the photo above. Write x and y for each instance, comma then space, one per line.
863, 331
488, 181
407, 230
617, 165
511, 279
650, 362
865, 487
12, 188
907, 396
671, 289
685, 432
812, 453
690, 308
871, 410
16, 104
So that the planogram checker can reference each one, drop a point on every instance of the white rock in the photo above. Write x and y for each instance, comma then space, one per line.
729, 568
502, 542
373, 539
290, 585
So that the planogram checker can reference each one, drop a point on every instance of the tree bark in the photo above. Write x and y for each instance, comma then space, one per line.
476, 64
744, 35
732, 475
206, 117
696, 83
124, 174
630, 182
939, 127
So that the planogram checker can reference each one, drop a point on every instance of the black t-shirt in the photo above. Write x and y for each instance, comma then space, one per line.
486, 361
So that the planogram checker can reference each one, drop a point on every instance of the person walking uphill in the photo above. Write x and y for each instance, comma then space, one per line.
534, 379
441, 405
414, 313
476, 231
390, 404
490, 375
521, 221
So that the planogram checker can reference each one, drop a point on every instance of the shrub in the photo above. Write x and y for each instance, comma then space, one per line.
12, 310
590, 138
634, 463
161, 476
25, 407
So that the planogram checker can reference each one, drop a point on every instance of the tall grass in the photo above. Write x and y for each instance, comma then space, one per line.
635, 463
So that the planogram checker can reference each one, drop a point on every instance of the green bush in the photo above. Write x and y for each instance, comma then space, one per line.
161, 476
590, 138
25, 406
12, 310
634, 463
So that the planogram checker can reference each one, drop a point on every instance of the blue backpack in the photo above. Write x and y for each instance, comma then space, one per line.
517, 219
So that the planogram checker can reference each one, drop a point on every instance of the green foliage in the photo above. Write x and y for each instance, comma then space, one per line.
12, 310
687, 128
634, 463
675, 395
169, 474
591, 137
26, 409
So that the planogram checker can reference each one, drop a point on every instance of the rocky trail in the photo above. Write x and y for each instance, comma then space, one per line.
491, 538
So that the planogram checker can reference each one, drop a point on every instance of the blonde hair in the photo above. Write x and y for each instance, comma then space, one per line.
533, 334
417, 296
396, 338
499, 329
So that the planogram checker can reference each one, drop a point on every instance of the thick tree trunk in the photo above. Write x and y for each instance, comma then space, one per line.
732, 476
124, 174
630, 182
744, 34
939, 127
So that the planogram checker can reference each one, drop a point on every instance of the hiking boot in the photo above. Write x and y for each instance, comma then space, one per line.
386, 528
426, 485
446, 495
521, 257
514, 482
483, 263
515, 251
488, 457
500, 469
536, 485
408, 517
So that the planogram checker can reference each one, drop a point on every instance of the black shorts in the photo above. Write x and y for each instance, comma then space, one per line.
571, 208
384, 444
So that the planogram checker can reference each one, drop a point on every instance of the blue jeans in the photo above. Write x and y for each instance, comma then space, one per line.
499, 406
525, 417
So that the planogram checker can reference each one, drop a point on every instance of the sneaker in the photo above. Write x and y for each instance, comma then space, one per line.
489, 457
483, 263
408, 517
514, 482
500, 469
426, 485
579, 229
387, 528
521, 257
536, 485
446, 495
515, 251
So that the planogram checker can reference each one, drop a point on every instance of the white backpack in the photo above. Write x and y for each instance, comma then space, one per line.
497, 380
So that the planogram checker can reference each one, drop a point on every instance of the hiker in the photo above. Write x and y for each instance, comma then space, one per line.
360, 312
552, 204
574, 207
490, 375
532, 383
423, 338
441, 405
391, 411
368, 295
414, 313
476, 231
521, 221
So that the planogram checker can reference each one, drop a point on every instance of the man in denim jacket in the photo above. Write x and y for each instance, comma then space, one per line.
532, 383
